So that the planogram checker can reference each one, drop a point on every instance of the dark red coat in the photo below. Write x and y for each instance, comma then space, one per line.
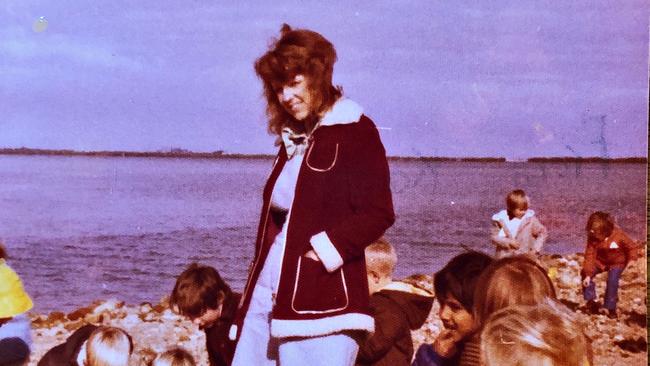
603, 255
343, 189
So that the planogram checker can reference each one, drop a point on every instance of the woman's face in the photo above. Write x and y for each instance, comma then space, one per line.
455, 317
295, 97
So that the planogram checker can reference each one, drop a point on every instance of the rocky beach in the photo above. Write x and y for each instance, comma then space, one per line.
154, 327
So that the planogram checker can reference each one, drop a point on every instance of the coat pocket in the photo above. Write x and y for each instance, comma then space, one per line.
322, 157
317, 291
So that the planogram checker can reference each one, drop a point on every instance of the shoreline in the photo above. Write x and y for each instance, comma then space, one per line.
176, 153
154, 327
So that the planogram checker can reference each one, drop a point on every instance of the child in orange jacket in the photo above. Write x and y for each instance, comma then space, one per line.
609, 250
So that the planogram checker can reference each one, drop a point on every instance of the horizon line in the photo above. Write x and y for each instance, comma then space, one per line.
183, 153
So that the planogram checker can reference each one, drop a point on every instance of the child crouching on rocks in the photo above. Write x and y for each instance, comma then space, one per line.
15, 326
397, 307
516, 230
201, 295
91, 345
454, 286
609, 250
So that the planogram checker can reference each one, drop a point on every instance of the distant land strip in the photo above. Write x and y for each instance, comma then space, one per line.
219, 154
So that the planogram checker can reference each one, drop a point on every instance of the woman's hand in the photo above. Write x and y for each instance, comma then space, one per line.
312, 255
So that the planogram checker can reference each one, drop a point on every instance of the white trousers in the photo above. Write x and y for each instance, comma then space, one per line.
256, 347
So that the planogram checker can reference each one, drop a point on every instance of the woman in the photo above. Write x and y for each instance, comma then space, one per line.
327, 198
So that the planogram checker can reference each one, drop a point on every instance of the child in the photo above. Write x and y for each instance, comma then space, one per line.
608, 250
108, 346
517, 230
454, 286
544, 334
201, 295
70, 352
397, 308
15, 326
174, 357
517, 280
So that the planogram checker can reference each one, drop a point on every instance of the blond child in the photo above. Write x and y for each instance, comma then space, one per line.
543, 334
516, 280
397, 307
516, 230
108, 346
174, 357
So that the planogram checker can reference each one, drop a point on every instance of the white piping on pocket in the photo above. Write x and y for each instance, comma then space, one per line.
295, 291
336, 155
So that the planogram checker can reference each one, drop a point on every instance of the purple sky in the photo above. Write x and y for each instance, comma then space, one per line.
443, 78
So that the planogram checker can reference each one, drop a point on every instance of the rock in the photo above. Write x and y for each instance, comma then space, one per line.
80, 313
108, 305
130, 320
145, 308
168, 315
73, 325
565, 279
155, 328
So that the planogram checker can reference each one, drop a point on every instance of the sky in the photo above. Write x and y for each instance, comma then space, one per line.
503, 78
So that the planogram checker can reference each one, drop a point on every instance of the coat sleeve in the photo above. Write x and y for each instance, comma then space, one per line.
540, 233
499, 241
629, 246
589, 264
389, 326
368, 181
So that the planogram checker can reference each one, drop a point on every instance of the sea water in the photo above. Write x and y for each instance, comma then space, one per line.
84, 228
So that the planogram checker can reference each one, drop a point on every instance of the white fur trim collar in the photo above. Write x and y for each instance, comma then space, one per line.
344, 111
406, 287
503, 215
281, 328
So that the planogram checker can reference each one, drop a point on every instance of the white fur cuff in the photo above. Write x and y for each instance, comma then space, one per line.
326, 251
318, 327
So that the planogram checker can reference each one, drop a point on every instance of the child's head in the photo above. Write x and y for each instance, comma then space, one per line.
380, 264
544, 334
199, 294
517, 280
108, 346
600, 225
517, 203
454, 288
174, 357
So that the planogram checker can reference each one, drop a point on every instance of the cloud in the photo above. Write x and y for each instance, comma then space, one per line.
18, 46
543, 135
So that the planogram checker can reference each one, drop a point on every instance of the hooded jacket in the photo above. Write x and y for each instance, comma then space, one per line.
616, 251
528, 232
67, 353
342, 203
398, 308
220, 348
